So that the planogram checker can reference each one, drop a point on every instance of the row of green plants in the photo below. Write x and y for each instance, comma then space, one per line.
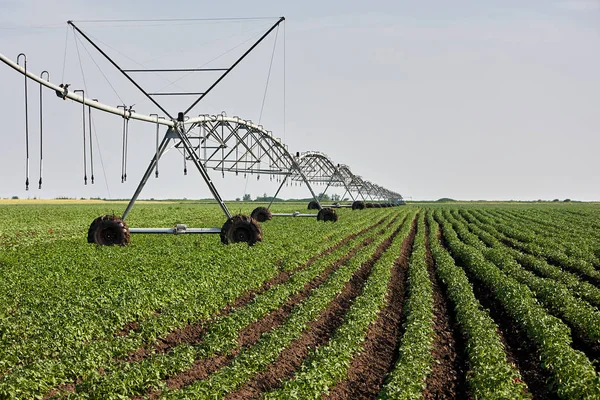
555, 296
490, 374
573, 374
221, 335
408, 377
484, 228
256, 358
69, 299
526, 241
328, 364
575, 237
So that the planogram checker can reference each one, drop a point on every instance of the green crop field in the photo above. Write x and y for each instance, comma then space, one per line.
422, 301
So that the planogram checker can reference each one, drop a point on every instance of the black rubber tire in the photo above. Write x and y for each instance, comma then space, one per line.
261, 214
358, 205
327, 215
313, 205
109, 230
368, 205
241, 228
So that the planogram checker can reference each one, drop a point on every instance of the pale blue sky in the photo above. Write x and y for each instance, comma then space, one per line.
477, 100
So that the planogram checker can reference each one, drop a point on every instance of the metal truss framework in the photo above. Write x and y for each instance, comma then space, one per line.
225, 144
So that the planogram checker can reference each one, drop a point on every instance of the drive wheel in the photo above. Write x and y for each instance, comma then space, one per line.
313, 205
358, 205
241, 228
327, 214
109, 230
261, 214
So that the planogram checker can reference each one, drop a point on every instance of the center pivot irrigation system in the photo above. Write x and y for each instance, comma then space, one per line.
209, 142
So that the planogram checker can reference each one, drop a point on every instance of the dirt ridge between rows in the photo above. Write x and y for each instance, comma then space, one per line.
379, 353
317, 333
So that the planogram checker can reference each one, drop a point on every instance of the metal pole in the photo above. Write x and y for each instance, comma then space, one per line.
159, 152
234, 65
119, 68
277, 192
188, 148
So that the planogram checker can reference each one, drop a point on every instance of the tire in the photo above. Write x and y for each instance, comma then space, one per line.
109, 230
358, 205
241, 229
261, 214
313, 205
327, 214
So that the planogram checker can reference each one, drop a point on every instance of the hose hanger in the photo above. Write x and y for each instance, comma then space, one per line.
84, 137
157, 156
26, 121
91, 142
126, 114
42, 126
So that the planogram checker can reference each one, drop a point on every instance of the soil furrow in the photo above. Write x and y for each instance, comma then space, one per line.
317, 333
192, 333
380, 349
448, 376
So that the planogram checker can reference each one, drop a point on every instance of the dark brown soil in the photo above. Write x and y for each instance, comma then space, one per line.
380, 349
448, 376
192, 333
317, 333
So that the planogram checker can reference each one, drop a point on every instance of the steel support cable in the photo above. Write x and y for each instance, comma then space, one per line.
210, 61
131, 59
268, 76
65, 55
26, 122
77, 38
83, 104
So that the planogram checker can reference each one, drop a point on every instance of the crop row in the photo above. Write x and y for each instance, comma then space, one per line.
407, 379
491, 237
573, 374
328, 364
68, 303
220, 336
490, 372
257, 357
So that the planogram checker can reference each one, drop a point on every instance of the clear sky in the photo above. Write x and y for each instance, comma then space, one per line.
492, 100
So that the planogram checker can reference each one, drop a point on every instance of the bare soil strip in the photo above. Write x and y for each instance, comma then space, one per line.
448, 376
317, 333
192, 333
368, 369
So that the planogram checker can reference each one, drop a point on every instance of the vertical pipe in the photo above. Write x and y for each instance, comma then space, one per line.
26, 122
42, 128
84, 139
